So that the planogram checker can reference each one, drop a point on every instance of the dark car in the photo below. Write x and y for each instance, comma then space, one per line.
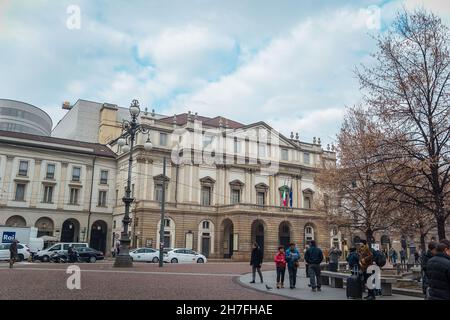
90, 255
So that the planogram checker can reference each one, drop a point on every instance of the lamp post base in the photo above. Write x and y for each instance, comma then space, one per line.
123, 261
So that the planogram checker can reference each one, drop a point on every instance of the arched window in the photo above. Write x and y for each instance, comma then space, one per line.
309, 234
205, 243
169, 233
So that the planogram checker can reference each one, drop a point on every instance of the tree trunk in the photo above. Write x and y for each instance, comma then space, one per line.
441, 226
369, 237
422, 242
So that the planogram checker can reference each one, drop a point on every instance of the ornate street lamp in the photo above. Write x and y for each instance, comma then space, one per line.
129, 131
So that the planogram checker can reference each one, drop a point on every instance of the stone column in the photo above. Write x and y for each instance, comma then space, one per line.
62, 186
35, 184
8, 182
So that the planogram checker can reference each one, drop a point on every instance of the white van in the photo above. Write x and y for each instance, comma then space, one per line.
25, 235
60, 248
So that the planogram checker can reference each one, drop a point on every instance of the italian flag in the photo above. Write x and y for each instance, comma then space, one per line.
284, 197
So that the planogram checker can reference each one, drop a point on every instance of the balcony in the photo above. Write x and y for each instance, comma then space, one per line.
222, 209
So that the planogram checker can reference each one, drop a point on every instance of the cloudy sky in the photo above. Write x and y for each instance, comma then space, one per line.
287, 62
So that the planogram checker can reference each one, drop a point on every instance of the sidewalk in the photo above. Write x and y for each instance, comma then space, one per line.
302, 291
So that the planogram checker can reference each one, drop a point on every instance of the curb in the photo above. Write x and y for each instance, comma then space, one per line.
237, 281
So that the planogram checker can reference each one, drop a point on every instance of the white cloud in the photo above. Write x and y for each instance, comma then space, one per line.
186, 57
306, 75
288, 63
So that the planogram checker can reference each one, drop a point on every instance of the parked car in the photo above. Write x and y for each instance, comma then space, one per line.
23, 252
61, 248
145, 254
89, 255
183, 255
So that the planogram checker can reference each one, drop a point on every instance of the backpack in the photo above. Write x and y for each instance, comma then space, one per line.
379, 258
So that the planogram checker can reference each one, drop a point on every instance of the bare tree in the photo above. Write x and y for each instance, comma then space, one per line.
413, 220
408, 89
354, 197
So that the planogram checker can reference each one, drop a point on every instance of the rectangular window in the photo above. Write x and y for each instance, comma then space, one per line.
205, 225
237, 147
162, 139
74, 196
260, 198
306, 158
235, 196
167, 223
307, 202
206, 196
103, 177
207, 141
20, 192
23, 168
76, 173
114, 224
101, 199
50, 174
48, 194
158, 192
262, 150
284, 154
117, 197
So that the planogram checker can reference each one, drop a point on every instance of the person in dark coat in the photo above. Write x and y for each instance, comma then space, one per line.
426, 256
353, 259
256, 262
403, 257
314, 257
334, 255
438, 273
12, 252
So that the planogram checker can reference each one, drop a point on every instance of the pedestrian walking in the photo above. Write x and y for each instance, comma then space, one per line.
12, 252
366, 260
394, 257
438, 273
416, 257
426, 256
306, 265
326, 255
334, 256
256, 262
280, 264
314, 257
117, 247
403, 257
390, 255
353, 259
292, 259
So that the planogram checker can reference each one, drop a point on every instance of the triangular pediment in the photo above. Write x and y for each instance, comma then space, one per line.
207, 180
161, 177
